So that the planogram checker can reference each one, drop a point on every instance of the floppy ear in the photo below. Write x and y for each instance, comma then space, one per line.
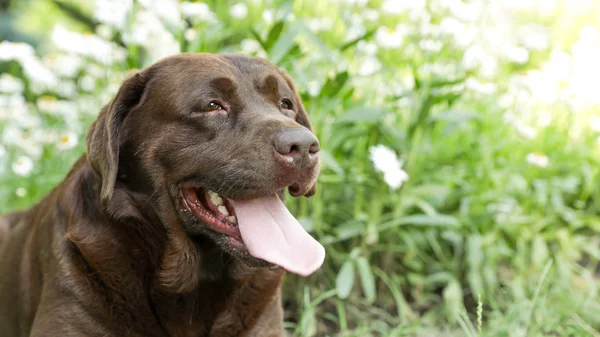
103, 138
302, 119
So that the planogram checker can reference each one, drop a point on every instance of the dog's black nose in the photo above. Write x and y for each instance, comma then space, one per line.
298, 146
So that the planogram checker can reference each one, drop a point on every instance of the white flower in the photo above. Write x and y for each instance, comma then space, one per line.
463, 34
87, 83
451, 26
480, 87
268, 16
250, 46
430, 45
38, 73
383, 158
16, 51
389, 38
64, 64
21, 192
395, 178
11, 134
197, 11
472, 57
190, 34
88, 45
149, 32
238, 11
314, 87
55, 107
2, 151
402, 6
167, 10
67, 141
386, 162
534, 37
104, 31
524, 130
23, 166
371, 14
537, 159
369, 48
66, 89
369, 66
10, 85
320, 24
518, 55
355, 31
468, 12
112, 12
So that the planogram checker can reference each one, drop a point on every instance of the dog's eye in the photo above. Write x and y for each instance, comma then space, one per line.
286, 104
212, 106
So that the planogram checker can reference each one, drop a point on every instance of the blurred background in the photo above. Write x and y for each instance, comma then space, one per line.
459, 191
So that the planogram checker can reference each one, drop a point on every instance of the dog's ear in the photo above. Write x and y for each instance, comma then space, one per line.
103, 138
302, 119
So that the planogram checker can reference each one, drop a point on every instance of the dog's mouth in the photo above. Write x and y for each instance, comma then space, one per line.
261, 226
214, 212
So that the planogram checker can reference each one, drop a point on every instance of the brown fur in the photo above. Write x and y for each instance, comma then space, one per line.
112, 251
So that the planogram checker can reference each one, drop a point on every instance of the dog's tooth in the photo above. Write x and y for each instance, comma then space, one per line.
223, 210
215, 198
232, 219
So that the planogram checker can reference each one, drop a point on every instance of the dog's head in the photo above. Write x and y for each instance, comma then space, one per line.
206, 144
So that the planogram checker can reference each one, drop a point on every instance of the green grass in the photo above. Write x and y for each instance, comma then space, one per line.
478, 241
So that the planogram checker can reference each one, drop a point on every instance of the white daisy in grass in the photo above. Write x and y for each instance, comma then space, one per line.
38, 73
239, 11
320, 24
250, 46
537, 159
17, 51
66, 141
197, 11
21, 192
524, 130
371, 14
386, 162
87, 83
314, 87
481, 87
396, 7
88, 45
389, 37
517, 55
23, 166
64, 64
167, 10
10, 84
149, 32
112, 12
268, 16
369, 66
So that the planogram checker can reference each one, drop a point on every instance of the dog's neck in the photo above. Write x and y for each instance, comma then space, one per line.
140, 265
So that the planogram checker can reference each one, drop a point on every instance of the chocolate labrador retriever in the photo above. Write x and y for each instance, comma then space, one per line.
173, 223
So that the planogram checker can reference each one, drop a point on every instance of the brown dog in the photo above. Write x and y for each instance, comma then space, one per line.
172, 224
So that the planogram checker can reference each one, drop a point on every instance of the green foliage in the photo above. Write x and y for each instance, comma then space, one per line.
489, 217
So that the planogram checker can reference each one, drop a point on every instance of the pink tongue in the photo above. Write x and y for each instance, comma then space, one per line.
272, 234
